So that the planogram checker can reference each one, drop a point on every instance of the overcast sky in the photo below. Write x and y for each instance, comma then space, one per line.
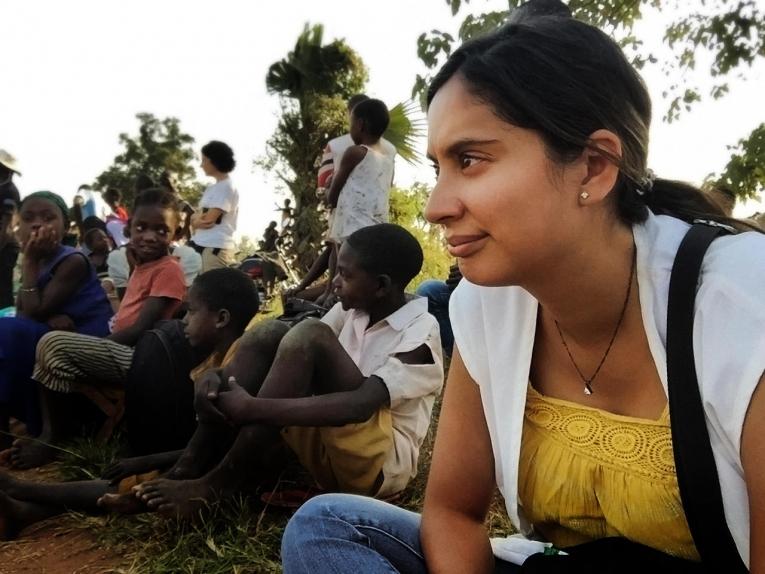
77, 72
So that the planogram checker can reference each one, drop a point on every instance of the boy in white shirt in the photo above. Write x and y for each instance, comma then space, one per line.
352, 394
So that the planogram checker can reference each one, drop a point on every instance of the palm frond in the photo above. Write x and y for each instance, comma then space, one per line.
406, 128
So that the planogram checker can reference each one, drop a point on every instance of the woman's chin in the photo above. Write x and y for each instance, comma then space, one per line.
485, 275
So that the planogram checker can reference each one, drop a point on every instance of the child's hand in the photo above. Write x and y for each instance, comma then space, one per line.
235, 403
42, 243
205, 393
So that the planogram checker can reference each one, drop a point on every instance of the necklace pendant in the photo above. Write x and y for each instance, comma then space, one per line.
587, 389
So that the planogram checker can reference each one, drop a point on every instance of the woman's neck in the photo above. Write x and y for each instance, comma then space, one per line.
585, 292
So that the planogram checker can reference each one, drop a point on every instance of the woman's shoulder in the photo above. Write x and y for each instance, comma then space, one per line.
221, 187
737, 259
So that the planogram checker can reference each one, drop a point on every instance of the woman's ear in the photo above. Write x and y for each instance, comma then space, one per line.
601, 162
224, 318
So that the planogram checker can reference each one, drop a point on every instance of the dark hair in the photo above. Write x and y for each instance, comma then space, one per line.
230, 289
142, 182
387, 249
159, 197
355, 100
374, 114
93, 222
112, 195
220, 155
564, 79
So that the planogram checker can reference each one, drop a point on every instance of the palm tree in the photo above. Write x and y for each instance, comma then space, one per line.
314, 82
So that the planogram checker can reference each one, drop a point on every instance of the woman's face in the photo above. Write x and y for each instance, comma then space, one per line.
207, 165
36, 213
507, 210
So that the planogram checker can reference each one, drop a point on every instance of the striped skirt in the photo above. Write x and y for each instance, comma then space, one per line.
67, 361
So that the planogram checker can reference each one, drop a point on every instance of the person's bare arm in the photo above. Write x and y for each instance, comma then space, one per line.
753, 461
330, 409
153, 310
461, 482
68, 277
208, 219
351, 158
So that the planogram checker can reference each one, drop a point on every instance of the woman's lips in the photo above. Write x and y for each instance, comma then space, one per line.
465, 245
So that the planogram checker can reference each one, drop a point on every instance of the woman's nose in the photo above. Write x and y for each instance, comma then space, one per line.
443, 204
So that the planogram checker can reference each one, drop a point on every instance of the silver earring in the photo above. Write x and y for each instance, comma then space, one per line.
584, 195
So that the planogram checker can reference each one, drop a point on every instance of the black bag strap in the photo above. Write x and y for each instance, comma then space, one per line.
695, 465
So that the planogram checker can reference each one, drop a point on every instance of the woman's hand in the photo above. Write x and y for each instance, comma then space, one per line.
42, 243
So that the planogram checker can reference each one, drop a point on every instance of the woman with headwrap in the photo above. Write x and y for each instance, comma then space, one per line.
59, 291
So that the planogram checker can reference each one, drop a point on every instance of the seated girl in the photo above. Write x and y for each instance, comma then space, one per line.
59, 290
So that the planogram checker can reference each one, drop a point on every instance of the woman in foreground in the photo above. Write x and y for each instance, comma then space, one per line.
557, 391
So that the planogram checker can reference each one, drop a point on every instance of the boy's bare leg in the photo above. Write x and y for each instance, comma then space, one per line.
310, 360
28, 453
60, 497
251, 362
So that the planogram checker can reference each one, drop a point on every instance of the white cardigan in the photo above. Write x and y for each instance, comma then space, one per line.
494, 330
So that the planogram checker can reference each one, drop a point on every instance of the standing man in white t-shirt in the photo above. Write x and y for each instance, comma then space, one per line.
215, 222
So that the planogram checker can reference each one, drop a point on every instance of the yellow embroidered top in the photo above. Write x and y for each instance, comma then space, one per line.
586, 474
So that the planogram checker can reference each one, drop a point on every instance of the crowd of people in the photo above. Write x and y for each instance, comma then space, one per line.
563, 382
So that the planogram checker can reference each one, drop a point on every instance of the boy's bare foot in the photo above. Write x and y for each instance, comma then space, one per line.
182, 499
27, 453
126, 503
15, 515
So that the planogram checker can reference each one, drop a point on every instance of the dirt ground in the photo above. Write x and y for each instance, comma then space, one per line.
54, 547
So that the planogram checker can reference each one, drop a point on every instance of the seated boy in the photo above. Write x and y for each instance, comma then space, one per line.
352, 394
221, 303
71, 362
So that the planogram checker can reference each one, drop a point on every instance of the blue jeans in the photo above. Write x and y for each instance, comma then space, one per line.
438, 294
349, 534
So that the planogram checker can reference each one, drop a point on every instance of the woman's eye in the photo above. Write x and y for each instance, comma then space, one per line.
467, 161
436, 168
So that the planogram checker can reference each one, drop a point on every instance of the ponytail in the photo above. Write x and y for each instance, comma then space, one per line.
686, 202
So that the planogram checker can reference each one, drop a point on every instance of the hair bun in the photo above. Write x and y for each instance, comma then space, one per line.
537, 9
